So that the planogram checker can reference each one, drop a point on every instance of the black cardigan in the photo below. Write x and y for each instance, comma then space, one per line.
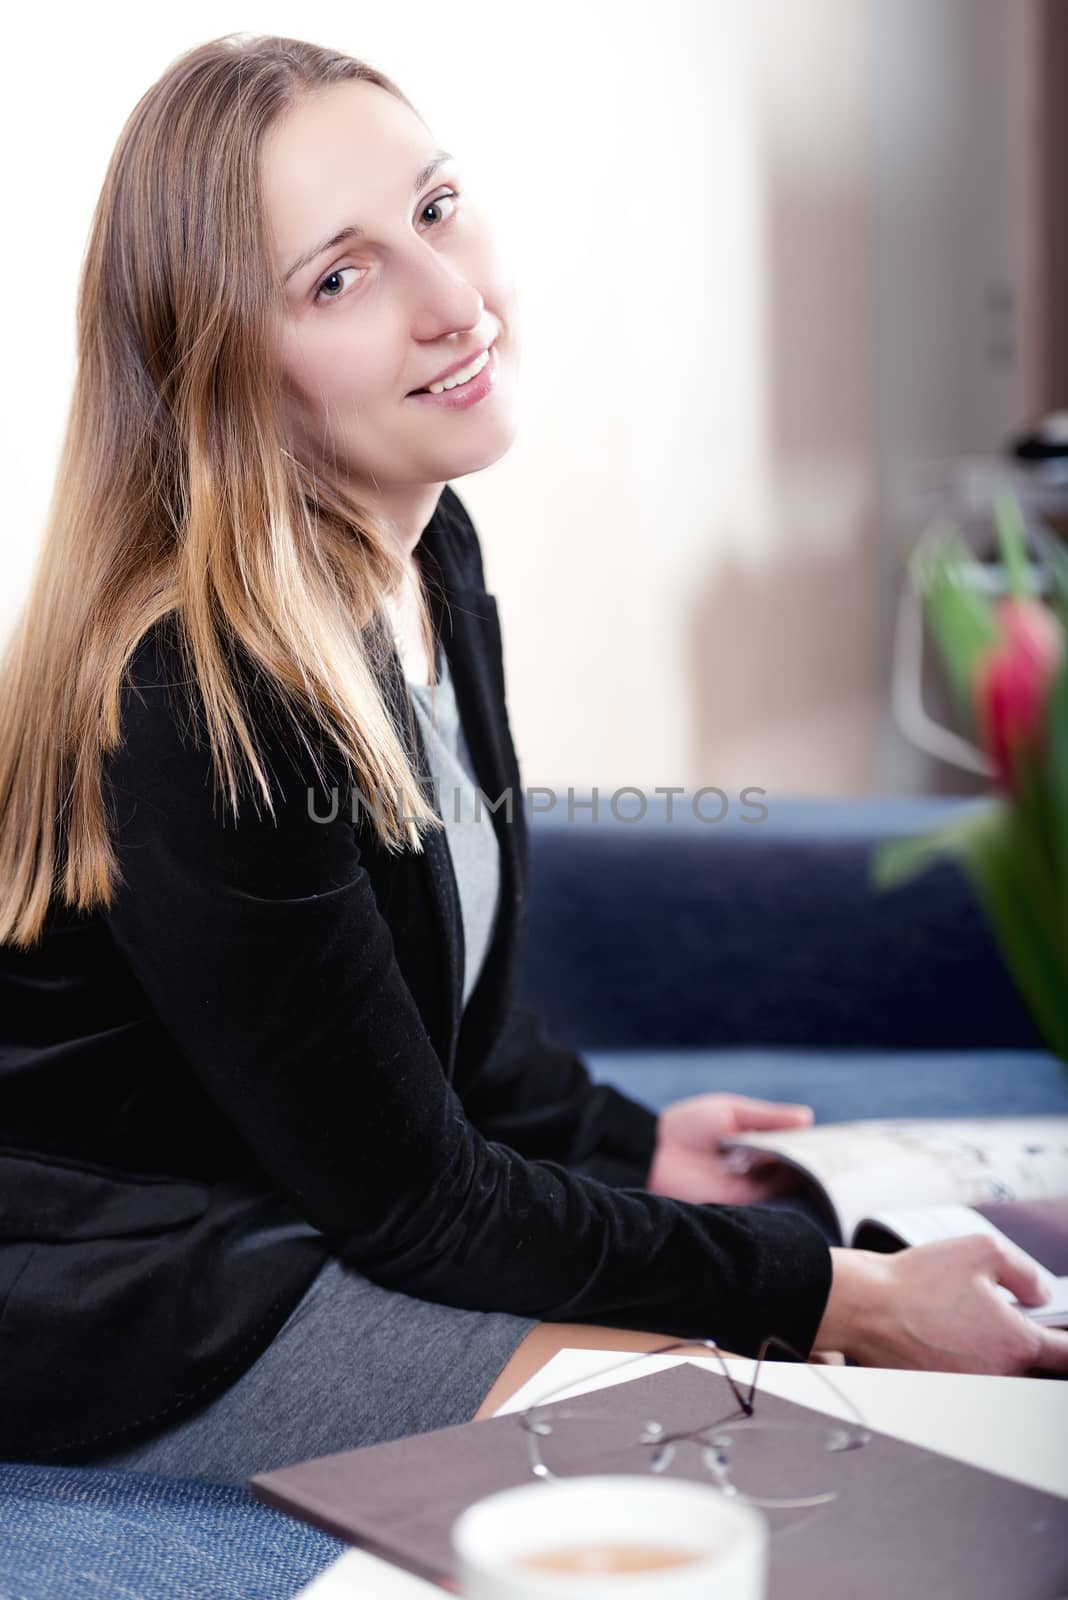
266, 1026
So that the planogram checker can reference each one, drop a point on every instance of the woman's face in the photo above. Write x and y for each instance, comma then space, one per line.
369, 319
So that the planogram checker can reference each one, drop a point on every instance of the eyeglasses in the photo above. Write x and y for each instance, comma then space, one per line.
763, 1462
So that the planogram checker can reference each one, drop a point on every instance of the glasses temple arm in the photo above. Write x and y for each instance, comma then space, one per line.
746, 1403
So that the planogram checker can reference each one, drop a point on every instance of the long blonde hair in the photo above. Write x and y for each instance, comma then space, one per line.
176, 497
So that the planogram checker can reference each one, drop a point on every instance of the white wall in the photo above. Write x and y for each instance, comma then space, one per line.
704, 478
686, 193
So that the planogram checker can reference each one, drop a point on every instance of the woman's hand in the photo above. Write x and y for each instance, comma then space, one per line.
687, 1163
937, 1307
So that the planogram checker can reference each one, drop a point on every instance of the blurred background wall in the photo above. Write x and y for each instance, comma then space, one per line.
773, 258
963, 287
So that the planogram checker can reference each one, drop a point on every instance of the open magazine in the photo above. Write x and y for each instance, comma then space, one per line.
887, 1184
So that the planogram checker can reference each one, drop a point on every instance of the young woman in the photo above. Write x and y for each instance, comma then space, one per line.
283, 1168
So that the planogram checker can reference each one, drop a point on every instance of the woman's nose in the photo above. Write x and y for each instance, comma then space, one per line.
443, 295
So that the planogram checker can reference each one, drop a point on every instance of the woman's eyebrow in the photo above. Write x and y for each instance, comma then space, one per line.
353, 231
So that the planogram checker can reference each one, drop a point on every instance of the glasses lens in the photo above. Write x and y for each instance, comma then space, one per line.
767, 1465
565, 1442
770, 1464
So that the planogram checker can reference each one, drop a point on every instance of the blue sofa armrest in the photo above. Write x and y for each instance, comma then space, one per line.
684, 933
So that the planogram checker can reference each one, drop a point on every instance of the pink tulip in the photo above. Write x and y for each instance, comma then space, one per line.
1012, 682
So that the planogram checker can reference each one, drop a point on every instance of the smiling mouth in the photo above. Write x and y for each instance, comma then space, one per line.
442, 388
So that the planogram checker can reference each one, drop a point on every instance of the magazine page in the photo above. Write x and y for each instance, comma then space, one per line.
861, 1167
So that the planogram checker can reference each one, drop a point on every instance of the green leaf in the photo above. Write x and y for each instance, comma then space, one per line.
1055, 558
1007, 868
898, 861
961, 618
1059, 596
1012, 541
1002, 849
1057, 777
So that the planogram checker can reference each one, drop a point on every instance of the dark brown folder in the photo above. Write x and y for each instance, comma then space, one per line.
908, 1522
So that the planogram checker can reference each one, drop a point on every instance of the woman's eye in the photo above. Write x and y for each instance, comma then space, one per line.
325, 290
450, 194
332, 288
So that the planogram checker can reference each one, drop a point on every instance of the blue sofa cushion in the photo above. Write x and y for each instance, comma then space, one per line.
657, 933
87, 1533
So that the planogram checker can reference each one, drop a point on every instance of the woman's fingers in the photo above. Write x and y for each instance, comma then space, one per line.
770, 1114
936, 1306
1018, 1273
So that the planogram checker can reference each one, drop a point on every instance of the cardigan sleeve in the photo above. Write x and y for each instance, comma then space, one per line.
261, 948
536, 1095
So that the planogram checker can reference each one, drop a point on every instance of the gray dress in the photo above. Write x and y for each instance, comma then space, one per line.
357, 1363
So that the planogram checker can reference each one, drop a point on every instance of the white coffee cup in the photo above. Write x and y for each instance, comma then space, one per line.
727, 1541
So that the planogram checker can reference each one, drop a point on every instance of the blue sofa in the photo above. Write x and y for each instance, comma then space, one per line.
685, 956
679, 956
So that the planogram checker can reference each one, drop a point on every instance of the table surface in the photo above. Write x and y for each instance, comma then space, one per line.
1017, 1427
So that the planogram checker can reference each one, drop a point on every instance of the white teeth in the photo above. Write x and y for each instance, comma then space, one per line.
464, 375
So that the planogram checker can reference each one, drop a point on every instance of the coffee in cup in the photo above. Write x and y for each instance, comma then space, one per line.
608, 1556
611, 1537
